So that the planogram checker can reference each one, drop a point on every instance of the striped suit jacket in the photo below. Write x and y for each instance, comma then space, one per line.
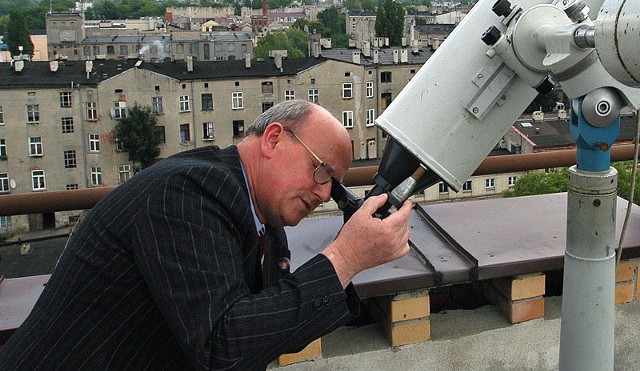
163, 274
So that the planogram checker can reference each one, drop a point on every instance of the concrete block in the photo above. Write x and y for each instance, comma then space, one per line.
310, 352
625, 271
624, 292
520, 287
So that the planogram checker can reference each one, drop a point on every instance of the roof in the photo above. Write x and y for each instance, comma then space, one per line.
555, 133
385, 56
39, 75
435, 28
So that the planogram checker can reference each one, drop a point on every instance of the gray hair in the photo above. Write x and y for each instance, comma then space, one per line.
287, 113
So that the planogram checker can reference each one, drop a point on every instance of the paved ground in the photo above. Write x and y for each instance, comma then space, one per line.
479, 339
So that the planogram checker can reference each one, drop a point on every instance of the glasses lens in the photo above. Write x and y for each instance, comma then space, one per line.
323, 173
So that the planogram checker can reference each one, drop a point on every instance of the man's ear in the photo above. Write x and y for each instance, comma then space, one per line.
273, 134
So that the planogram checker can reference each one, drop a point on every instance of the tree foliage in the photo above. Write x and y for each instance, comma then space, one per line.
107, 9
537, 183
34, 11
624, 181
334, 25
137, 135
390, 22
17, 35
294, 41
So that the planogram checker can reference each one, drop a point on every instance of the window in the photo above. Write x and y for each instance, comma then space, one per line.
467, 186
347, 119
70, 159
313, 95
385, 100
185, 134
443, 187
267, 87
92, 111
4, 182
94, 143
1, 116
207, 131
96, 49
207, 101
159, 131
35, 146
238, 128
371, 115
38, 182
112, 50
5, 221
3, 149
67, 125
33, 113
124, 49
184, 103
65, 99
369, 89
490, 183
512, 181
237, 102
96, 175
71, 186
124, 173
289, 95
266, 105
86, 51
347, 90
156, 105
119, 110
385, 76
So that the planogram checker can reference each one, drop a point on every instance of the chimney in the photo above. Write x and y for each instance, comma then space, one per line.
18, 65
366, 48
376, 57
355, 57
189, 63
53, 66
404, 41
404, 55
264, 8
315, 49
386, 41
395, 56
247, 60
278, 60
414, 46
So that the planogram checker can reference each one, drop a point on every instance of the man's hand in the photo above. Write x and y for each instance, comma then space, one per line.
366, 241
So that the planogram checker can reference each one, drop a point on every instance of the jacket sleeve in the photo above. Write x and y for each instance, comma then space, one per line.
189, 242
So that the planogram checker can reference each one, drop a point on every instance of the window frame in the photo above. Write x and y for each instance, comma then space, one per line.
94, 143
208, 101
92, 111
33, 113
66, 99
347, 90
41, 180
96, 176
70, 159
35, 147
185, 132
67, 124
369, 89
347, 119
184, 103
208, 131
314, 95
370, 117
122, 170
3, 148
490, 183
289, 95
157, 105
237, 100
4, 182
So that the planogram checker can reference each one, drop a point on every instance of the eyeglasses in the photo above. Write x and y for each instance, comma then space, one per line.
323, 172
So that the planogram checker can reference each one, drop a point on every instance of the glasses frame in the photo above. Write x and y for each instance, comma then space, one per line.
322, 164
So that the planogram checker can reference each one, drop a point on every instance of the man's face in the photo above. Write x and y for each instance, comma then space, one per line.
293, 193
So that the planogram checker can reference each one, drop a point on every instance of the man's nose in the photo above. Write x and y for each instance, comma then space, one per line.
323, 191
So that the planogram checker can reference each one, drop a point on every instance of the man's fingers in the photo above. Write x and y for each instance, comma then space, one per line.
372, 204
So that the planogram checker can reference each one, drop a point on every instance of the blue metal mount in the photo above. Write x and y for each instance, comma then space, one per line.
594, 143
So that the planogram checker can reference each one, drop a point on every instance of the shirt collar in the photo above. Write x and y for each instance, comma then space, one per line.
259, 225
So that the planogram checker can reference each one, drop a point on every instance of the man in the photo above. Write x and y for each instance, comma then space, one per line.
167, 272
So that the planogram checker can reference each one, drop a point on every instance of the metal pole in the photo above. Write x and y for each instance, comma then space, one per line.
588, 298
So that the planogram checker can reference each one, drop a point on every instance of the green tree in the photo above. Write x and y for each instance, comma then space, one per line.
17, 35
537, 183
353, 6
137, 135
390, 22
624, 181
294, 41
334, 26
